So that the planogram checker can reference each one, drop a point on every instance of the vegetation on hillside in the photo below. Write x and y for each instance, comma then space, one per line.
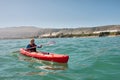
30, 32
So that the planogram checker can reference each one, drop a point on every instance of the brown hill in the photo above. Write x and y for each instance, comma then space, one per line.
18, 32
30, 31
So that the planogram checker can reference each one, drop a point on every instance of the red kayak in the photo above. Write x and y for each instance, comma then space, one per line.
60, 58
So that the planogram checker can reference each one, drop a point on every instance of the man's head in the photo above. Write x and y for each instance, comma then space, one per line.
32, 41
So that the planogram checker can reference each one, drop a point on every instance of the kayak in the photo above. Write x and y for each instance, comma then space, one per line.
59, 58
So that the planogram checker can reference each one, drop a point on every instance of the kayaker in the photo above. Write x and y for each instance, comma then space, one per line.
32, 46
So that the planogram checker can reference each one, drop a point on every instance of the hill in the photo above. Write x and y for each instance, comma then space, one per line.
30, 31
112, 30
18, 32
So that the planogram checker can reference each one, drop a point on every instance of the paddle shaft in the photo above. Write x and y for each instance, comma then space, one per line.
48, 43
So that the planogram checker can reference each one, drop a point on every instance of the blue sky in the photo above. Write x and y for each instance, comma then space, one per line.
59, 13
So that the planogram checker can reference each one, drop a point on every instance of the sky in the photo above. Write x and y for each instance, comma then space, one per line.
59, 13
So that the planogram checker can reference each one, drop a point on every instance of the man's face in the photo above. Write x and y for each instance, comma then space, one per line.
32, 41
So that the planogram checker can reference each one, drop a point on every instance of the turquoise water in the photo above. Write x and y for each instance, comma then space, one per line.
90, 59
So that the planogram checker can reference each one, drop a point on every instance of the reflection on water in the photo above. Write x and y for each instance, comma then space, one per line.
37, 73
54, 67
44, 67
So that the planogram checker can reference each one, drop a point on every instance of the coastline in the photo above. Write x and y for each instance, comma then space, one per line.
35, 32
102, 34
61, 37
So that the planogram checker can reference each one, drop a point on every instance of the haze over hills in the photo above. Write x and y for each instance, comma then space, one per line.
17, 32
23, 32
30, 31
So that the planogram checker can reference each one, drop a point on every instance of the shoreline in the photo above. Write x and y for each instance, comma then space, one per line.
62, 37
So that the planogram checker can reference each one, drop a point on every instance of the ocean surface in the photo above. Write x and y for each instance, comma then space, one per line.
90, 59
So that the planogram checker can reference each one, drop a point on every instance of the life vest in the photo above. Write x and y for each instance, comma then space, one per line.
32, 49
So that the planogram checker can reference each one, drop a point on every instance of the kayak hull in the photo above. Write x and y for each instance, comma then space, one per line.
60, 58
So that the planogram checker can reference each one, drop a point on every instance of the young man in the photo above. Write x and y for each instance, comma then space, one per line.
32, 46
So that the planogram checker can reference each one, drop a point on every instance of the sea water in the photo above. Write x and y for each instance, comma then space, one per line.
89, 59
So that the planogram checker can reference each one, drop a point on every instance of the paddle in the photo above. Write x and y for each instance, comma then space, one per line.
46, 44
49, 43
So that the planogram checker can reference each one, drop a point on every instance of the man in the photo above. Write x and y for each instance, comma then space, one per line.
32, 46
